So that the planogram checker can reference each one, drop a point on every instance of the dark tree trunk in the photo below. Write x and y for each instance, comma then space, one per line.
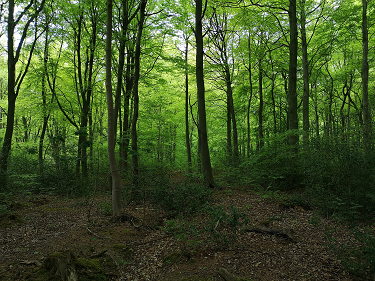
44, 107
260, 112
137, 56
125, 140
365, 73
187, 133
206, 162
231, 111
116, 189
229, 131
251, 96
292, 88
306, 76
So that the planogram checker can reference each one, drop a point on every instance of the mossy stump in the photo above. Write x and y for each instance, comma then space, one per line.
62, 264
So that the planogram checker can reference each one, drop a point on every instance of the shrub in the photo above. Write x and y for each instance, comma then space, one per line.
176, 199
340, 178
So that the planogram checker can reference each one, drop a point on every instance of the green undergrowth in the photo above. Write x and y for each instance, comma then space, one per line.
358, 255
222, 224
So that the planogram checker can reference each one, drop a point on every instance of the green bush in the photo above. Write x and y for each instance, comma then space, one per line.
358, 260
176, 199
224, 224
340, 178
273, 167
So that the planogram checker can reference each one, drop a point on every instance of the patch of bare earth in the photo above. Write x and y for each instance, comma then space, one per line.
131, 249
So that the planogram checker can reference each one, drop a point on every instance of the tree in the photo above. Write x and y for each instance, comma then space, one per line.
115, 173
292, 87
218, 55
187, 131
205, 153
137, 57
14, 84
365, 70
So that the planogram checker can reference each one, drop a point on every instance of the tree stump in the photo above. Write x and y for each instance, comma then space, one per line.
62, 264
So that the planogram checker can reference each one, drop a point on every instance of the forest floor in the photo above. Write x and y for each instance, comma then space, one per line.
42, 227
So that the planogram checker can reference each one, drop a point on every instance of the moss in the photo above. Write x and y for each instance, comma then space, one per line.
90, 264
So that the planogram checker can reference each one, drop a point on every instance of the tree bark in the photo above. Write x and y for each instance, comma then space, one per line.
306, 85
206, 161
137, 56
125, 140
231, 110
260, 112
44, 107
187, 133
365, 73
115, 173
292, 88
251, 96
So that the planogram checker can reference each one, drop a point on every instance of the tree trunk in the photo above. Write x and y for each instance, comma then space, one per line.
124, 142
187, 133
206, 162
260, 112
292, 88
229, 131
7, 144
251, 96
116, 189
137, 55
231, 111
365, 72
305, 66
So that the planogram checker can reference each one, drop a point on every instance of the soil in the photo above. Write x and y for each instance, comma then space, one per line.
42, 230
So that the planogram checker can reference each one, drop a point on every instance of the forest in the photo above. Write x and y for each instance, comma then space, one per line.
187, 123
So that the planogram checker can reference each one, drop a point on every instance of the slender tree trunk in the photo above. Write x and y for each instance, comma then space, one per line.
206, 161
116, 188
229, 132
305, 66
292, 88
7, 144
317, 128
274, 105
124, 143
44, 107
137, 56
232, 112
91, 139
365, 73
251, 96
187, 133
260, 112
